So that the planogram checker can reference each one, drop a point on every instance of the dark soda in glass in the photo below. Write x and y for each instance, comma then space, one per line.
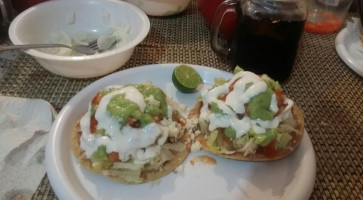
266, 46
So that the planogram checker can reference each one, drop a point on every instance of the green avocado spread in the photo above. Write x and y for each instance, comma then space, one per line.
99, 159
121, 108
259, 106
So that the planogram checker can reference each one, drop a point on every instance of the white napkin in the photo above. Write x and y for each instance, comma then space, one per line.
24, 126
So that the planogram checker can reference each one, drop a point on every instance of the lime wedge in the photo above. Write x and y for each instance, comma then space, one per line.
185, 78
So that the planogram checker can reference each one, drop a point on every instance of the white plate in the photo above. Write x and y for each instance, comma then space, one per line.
289, 178
352, 57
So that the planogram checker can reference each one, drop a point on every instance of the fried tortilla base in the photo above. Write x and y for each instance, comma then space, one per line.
281, 153
147, 176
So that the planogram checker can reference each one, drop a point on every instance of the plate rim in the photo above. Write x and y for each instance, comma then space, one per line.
65, 192
343, 53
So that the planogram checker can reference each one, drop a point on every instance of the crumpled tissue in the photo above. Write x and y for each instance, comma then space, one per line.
24, 127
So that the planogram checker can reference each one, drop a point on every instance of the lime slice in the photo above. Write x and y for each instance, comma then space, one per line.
185, 78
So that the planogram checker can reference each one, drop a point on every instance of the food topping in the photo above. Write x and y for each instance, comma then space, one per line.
244, 112
130, 123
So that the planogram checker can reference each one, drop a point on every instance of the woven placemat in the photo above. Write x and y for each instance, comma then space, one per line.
330, 94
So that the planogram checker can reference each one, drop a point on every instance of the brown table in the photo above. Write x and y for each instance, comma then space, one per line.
329, 92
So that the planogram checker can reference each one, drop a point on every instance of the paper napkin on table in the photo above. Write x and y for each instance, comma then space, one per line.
24, 127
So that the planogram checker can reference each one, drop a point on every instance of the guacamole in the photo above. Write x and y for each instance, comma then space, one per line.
244, 109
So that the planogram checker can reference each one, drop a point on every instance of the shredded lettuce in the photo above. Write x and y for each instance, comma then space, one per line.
240, 142
100, 160
282, 140
127, 165
219, 81
131, 176
274, 85
265, 138
212, 137
237, 69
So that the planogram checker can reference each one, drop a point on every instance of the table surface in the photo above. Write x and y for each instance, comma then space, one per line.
328, 91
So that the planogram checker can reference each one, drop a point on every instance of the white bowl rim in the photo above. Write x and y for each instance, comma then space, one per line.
133, 43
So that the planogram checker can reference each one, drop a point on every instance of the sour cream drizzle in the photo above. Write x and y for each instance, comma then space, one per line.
112, 125
246, 86
139, 144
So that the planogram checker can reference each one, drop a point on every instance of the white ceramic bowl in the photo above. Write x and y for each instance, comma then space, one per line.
38, 23
161, 7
